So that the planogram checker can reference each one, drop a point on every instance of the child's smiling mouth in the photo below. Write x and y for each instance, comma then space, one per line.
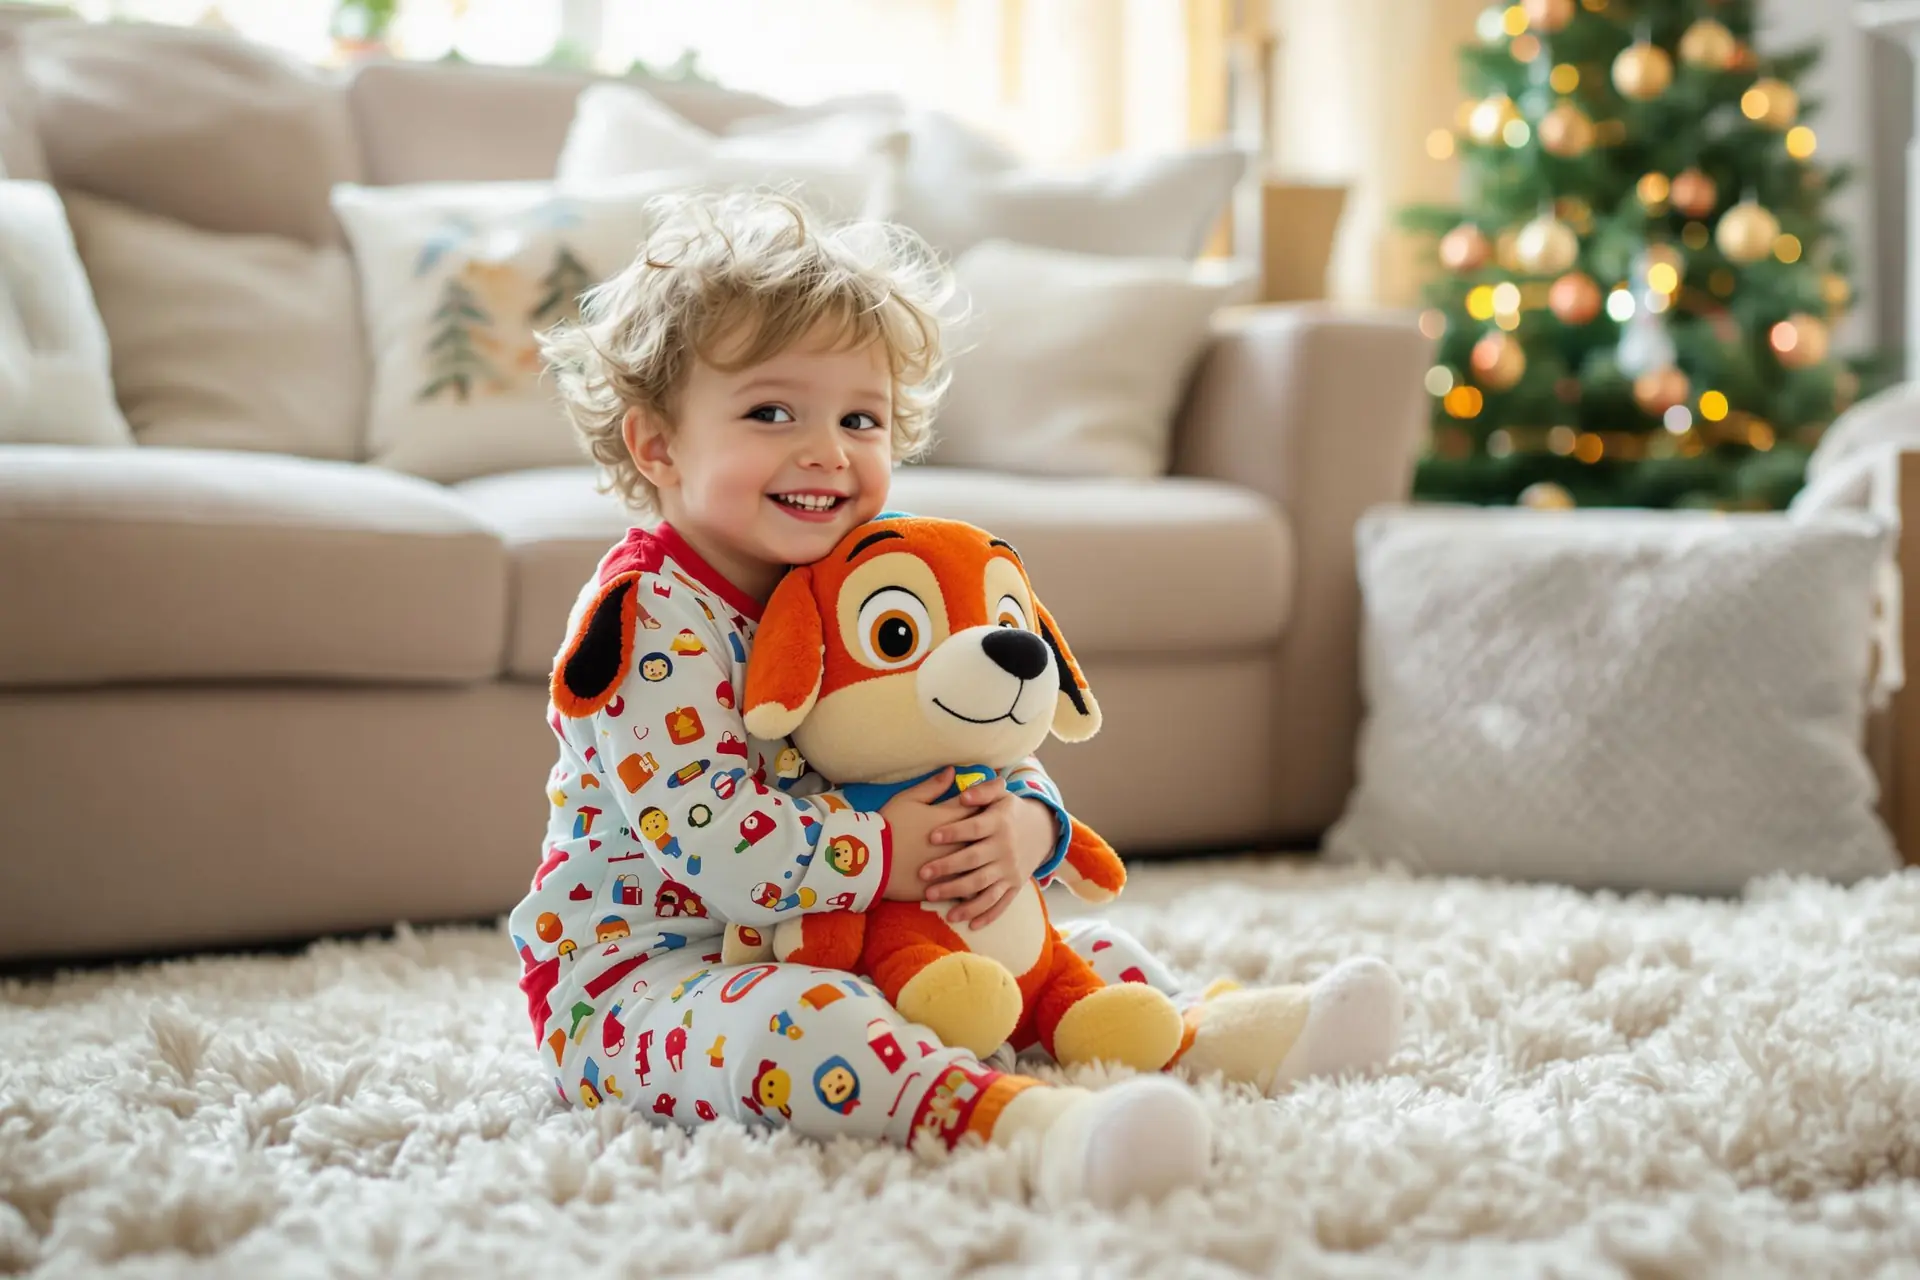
812, 505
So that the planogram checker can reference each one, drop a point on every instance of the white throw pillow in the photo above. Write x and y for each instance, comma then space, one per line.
1131, 205
955, 187
620, 130
1073, 364
226, 341
56, 380
1631, 700
456, 278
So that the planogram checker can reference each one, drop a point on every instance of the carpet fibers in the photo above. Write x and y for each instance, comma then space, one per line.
1590, 1087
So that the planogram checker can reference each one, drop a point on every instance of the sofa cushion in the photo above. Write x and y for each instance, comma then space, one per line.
195, 125
226, 341
169, 564
1127, 567
20, 153
423, 122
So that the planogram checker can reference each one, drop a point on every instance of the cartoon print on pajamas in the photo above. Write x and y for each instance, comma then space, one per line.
662, 830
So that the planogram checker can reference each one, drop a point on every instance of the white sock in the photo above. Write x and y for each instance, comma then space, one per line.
1141, 1139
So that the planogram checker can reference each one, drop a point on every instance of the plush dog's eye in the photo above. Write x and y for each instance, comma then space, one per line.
894, 629
1009, 613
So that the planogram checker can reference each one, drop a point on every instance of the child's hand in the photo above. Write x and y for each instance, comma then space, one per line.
912, 818
1007, 836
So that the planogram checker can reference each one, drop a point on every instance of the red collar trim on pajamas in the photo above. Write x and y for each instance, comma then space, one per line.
645, 549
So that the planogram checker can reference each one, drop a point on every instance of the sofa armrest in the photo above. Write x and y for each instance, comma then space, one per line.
1322, 411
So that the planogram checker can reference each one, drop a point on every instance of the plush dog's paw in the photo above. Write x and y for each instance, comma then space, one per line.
1129, 1023
971, 1002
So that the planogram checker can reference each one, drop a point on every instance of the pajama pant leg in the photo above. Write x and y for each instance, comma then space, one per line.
1117, 956
815, 1050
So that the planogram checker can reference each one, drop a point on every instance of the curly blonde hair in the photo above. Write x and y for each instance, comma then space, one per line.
753, 272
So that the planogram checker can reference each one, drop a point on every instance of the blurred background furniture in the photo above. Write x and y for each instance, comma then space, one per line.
247, 695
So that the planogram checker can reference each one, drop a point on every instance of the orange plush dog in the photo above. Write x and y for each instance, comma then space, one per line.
916, 644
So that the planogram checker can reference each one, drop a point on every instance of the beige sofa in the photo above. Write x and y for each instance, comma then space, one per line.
247, 696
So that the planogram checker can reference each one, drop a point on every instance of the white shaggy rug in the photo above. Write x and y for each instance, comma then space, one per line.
1591, 1087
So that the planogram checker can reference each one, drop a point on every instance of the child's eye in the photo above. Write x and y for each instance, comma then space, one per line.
860, 422
769, 413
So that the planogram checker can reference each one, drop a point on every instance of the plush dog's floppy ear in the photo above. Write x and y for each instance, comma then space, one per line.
589, 670
788, 658
1076, 716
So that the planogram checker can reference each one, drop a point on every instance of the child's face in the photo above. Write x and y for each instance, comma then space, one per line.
771, 465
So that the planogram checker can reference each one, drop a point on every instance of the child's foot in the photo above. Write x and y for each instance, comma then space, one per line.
1348, 1019
1139, 1140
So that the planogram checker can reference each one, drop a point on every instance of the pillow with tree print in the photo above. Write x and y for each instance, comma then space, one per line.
456, 279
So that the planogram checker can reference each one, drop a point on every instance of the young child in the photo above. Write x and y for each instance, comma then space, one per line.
753, 378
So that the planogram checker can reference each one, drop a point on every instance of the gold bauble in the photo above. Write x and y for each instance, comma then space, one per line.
1574, 298
1771, 102
1546, 246
1545, 495
1660, 390
1694, 193
1708, 44
1747, 231
1565, 131
1642, 71
1490, 118
1497, 362
1653, 189
1465, 248
1800, 341
1835, 291
1548, 16
1663, 254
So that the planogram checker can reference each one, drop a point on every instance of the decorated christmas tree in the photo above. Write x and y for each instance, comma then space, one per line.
1635, 305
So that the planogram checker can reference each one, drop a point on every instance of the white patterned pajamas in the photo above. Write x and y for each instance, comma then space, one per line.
668, 822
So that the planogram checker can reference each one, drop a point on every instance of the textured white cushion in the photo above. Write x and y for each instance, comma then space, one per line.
1072, 364
455, 278
1633, 700
56, 381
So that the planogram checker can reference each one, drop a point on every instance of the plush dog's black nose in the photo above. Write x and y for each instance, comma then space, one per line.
1016, 652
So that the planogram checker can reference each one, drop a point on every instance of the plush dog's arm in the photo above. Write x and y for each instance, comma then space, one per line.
825, 939
1092, 871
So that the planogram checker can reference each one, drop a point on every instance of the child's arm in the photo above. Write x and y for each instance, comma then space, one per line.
672, 752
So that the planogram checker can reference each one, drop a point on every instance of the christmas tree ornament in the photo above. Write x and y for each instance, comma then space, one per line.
1708, 44
1566, 132
1642, 71
1574, 298
1498, 362
1548, 16
1743, 59
1835, 291
1747, 231
1465, 248
1545, 495
1546, 246
1800, 341
1652, 190
1490, 118
1661, 389
1771, 102
1694, 193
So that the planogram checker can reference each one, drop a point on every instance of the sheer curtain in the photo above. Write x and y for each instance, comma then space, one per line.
1360, 85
